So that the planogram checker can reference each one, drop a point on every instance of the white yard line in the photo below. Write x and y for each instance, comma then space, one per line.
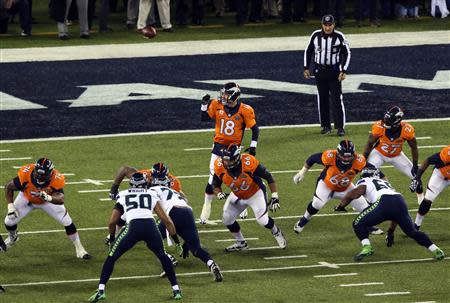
426, 302
336, 275
197, 148
93, 191
234, 240
262, 248
209, 130
392, 293
432, 146
285, 257
361, 284
223, 271
4, 150
208, 47
423, 138
68, 174
11, 159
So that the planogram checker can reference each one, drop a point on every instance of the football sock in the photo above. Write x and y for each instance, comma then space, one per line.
101, 287
74, 238
175, 287
206, 210
238, 236
419, 219
365, 242
209, 263
275, 229
432, 247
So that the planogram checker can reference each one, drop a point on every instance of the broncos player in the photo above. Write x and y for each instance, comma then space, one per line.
439, 180
341, 165
139, 203
231, 118
386, 204
243, 176
40, 186
385, 144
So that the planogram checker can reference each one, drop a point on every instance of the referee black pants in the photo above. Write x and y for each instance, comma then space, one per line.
329, 87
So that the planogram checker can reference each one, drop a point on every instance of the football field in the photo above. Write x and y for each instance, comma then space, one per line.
316, 266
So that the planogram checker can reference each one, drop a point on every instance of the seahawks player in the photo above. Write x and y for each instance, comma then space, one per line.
139, 202
386, 204
2, 248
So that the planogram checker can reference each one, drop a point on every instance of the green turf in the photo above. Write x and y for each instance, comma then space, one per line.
45, 33
51, 257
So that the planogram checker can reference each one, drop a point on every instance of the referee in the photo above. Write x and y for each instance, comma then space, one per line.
331, 57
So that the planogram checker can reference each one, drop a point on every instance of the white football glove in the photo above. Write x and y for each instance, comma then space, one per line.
274, 203
12, 211
300, 175
222, 195
46, 197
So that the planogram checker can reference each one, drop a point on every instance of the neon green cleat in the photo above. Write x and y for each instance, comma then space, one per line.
98, 296
177, 295
365, 252
438, 254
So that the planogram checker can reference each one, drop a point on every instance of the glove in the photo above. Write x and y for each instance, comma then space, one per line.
340, 208
414, 170
179, 249
300, 175
222, 195
251, 151
274, 203
12, 211
415, 184
206, 99
389, 239
185, 251
113, 192
109, 241
46, 197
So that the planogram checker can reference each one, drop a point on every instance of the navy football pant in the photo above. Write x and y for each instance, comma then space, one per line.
184, 222
138, 230
388, 208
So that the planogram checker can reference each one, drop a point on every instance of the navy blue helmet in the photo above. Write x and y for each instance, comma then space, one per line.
370, 172
393, 117
231, 156
229, 93
345, 152
138, 180
43, 170
160, 175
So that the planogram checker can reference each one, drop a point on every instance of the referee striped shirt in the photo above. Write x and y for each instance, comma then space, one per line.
329, 50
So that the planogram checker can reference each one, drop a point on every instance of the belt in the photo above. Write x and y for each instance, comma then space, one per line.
327, 66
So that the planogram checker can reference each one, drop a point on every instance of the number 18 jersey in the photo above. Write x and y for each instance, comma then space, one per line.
137, 203
375, 188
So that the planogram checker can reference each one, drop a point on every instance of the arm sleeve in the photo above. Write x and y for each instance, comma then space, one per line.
255, 132
262, 172
119, 207
314, 159
217, 182
17, 183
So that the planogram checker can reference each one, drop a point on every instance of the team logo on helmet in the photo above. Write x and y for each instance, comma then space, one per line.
230, 93
345, 152
231, 156
393, 117
43, 170
138, 180
160, 175
370, 172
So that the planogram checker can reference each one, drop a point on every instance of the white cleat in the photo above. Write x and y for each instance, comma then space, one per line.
205, 222
376, 231
239, 245
244, 214
297, 228
82, 254
10, 241
282, 243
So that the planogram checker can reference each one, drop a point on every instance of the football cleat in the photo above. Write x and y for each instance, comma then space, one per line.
177, 295
239, 245
244, 214
438, 254
82, 254
374, 230
11, 240
98, 296
281, 240
215, 270
174, 264
3, 246
365, 252
297, 228
2, 289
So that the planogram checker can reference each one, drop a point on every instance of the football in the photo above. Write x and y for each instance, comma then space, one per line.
149, 32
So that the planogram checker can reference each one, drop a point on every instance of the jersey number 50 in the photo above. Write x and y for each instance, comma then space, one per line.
144, 201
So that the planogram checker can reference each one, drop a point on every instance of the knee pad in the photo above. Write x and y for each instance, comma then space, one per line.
311, 209
424, 207
209, 189
234, 228
70, 229
270, 224
227, 219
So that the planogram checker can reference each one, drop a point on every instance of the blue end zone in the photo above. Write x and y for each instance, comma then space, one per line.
47, 82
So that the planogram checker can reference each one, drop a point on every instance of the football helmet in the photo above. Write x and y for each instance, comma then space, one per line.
345, 152
393, 117
370, 172
231, 156
43, 170
229, 94
138, 180
160, 175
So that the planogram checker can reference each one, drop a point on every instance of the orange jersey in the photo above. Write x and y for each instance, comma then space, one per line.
334, 178
31, 190
445, 157
230, 128
243, 186
175, 184
387, 147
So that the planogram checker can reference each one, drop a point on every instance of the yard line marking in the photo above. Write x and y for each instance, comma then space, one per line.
285, 257
329, 265
105, 199
262, 248
388, 293
223, 271
93, 191
4, 150
422, 138
233, 240
361, 284
426, 302
68, 174
11, 159
432, 146
95, 182
197, 148
336, 275
209, 130
16, 167
217, 230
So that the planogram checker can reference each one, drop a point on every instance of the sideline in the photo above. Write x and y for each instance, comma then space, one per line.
208, 47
